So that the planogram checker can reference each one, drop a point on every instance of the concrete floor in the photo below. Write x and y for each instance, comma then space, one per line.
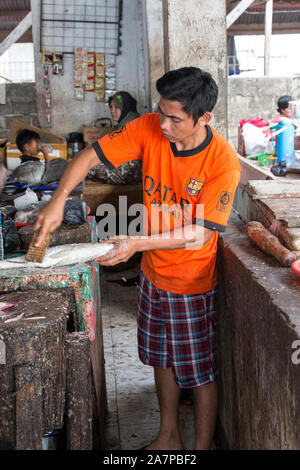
133, 418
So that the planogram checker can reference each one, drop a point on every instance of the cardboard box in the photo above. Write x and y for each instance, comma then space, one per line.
13, 154
92, 134
2, 151
46, 136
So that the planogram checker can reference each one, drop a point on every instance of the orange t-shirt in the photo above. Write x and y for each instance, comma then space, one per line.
207, 175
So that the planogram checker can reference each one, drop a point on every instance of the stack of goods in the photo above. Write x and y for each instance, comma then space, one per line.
80, 72
110, 76
52, 60
90, 84
94, 72
100, 76
47, 96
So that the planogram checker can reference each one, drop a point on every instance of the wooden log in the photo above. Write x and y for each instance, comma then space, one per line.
269, 243
36, 345
78, 392
63, 235
290, 237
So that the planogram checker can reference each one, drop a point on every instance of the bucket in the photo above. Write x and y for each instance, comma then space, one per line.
28, 198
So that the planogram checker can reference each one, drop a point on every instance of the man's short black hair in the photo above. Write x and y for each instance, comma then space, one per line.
195, 89
283, 102
25, 136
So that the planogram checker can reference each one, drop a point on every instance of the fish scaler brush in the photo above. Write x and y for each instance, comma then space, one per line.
37, 253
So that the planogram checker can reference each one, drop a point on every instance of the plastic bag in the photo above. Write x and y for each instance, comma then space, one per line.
74, 212
26, 200
29, 214
11, 239
255, 139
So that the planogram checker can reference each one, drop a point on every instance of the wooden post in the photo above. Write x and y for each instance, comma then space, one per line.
268, 34
237, 12
78, 392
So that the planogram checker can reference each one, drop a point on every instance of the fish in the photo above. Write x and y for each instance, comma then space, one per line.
28, 173
55, 170
62, 255
5, 305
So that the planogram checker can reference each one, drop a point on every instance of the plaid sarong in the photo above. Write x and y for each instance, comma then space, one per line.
178, 331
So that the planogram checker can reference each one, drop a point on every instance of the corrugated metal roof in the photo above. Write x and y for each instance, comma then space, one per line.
11, 13
279, 16
285, 12
15, 5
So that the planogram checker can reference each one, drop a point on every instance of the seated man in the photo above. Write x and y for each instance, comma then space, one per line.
28, 142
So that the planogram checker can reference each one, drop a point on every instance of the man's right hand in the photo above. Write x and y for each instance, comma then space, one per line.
48, 219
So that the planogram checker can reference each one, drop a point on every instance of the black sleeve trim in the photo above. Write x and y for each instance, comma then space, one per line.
210, 225
102, 157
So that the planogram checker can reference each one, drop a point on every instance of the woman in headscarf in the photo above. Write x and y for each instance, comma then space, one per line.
122, 108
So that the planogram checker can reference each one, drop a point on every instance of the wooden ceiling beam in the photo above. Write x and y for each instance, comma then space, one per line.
237, 12
16, 33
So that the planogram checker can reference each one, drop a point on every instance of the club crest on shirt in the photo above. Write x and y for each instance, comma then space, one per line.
194, 187
116, 132
224, 201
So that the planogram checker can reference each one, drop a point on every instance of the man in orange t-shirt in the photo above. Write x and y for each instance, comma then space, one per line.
190, 174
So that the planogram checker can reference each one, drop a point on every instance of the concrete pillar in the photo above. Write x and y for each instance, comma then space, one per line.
195, 35
154, 12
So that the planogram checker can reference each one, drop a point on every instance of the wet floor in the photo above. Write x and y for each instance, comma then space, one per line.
133, 418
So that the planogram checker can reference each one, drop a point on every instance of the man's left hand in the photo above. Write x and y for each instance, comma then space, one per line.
125, 248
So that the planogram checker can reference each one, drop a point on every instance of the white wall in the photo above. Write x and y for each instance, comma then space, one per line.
249, 98
69, 115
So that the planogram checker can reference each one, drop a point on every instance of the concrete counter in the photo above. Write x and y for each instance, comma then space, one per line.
258, 322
